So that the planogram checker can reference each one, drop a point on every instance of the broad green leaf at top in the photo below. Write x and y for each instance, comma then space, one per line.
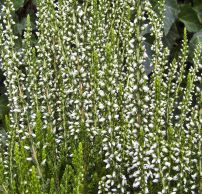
17, 4
1, 3
198, 8
171, 11
189, 17
169, 40
35, 2
192, 46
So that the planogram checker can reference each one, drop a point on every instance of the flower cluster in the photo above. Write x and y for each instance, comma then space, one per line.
84, 118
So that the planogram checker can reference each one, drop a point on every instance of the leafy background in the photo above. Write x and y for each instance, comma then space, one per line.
178, 14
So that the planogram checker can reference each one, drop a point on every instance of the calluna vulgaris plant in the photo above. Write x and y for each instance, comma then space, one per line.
84, 118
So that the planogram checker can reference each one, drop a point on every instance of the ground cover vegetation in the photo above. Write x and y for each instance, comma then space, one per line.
100, 101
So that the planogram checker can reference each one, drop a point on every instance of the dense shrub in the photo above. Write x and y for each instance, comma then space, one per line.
84, 118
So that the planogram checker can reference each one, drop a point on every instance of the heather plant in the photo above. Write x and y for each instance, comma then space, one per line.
85, 118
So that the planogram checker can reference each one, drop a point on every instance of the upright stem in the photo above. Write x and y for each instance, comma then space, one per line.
138, 58
199, 143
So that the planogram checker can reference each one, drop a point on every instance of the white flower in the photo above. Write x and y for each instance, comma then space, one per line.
101, 106
151, 125
136, 184
105, 148
145, 88
101, 93
193, 187
104, 140
140, 61
194, 176
155, 181
116, 105
43, 162
29, 159
81, 13
102, 119
170, 178
108, 165
33, 135
26, 147
176, 168
167, 164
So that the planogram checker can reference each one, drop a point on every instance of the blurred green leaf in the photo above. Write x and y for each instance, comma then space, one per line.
3, 105
18, 44
154, 4
33, 40
35, 2
148, 43
31, 15
192, 46
3, 138
198, 8
169, 40
187, 1
1, 3
32, 19
17, 4
1, 76
189, 17
18, 28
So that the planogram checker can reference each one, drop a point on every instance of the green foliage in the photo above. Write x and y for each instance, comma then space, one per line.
84, 116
